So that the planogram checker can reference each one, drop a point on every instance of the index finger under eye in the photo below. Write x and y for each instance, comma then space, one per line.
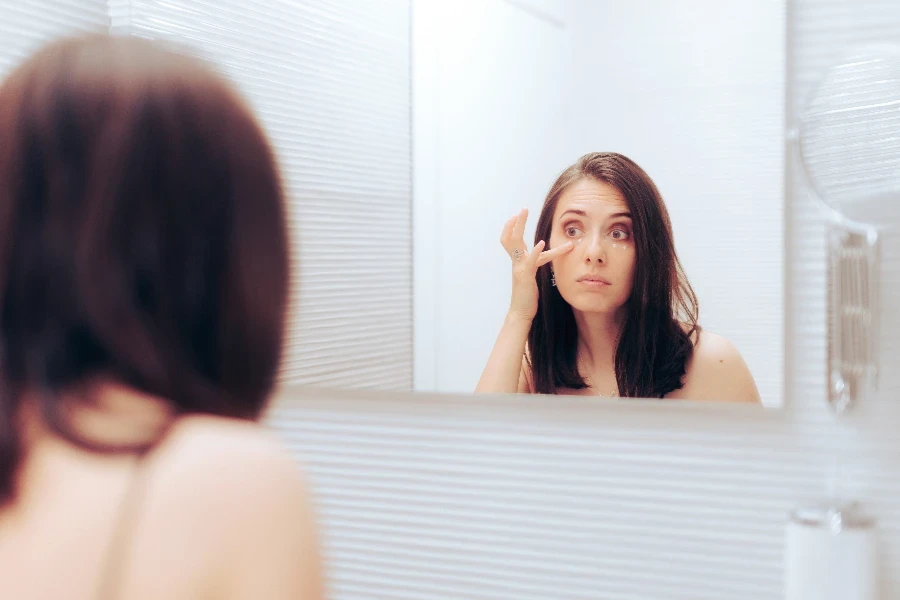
549, 255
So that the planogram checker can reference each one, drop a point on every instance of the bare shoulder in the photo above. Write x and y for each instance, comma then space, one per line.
250, 452
717, 372
236, 486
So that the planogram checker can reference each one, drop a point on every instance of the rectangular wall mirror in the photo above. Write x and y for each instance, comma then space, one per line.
410, 131
508, 93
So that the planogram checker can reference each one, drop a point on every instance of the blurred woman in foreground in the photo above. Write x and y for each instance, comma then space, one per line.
143, 284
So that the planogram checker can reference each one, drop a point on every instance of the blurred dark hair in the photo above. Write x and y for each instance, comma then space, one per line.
143, 237
656, 341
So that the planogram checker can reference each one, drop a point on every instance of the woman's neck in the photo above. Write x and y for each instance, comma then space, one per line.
102, 411
598, 338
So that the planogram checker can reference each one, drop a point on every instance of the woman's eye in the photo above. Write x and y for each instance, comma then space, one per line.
619, 234
572, 231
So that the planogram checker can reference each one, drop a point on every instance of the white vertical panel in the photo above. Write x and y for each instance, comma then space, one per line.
26, 25
448, 497
492, 104
330, 80
425, 134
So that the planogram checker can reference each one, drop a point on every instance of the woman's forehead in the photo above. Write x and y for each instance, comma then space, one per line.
594, 198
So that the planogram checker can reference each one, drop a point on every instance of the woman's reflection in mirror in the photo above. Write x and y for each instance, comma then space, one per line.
601, 304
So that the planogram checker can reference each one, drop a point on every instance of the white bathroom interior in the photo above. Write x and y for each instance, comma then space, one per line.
410, 130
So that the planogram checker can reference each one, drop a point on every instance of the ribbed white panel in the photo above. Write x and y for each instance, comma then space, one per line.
330, 81
450, 497
430, 497
25, 25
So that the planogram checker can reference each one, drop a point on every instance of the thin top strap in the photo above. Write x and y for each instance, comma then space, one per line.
126, 522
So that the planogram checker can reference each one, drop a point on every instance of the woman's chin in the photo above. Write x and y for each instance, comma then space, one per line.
592, 305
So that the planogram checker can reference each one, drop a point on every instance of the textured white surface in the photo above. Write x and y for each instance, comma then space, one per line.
25, 25
448, 497
451, 497
330, 81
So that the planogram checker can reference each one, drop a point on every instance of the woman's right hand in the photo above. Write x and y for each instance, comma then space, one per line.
525, 263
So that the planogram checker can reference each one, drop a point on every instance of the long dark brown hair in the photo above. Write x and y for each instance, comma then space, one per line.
657, 337
142, 238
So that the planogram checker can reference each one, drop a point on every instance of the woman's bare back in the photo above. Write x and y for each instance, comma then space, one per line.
217, 510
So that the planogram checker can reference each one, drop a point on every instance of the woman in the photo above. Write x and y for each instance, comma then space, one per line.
143, 284
607, 309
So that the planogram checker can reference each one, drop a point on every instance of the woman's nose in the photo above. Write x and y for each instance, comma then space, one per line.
595, 250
